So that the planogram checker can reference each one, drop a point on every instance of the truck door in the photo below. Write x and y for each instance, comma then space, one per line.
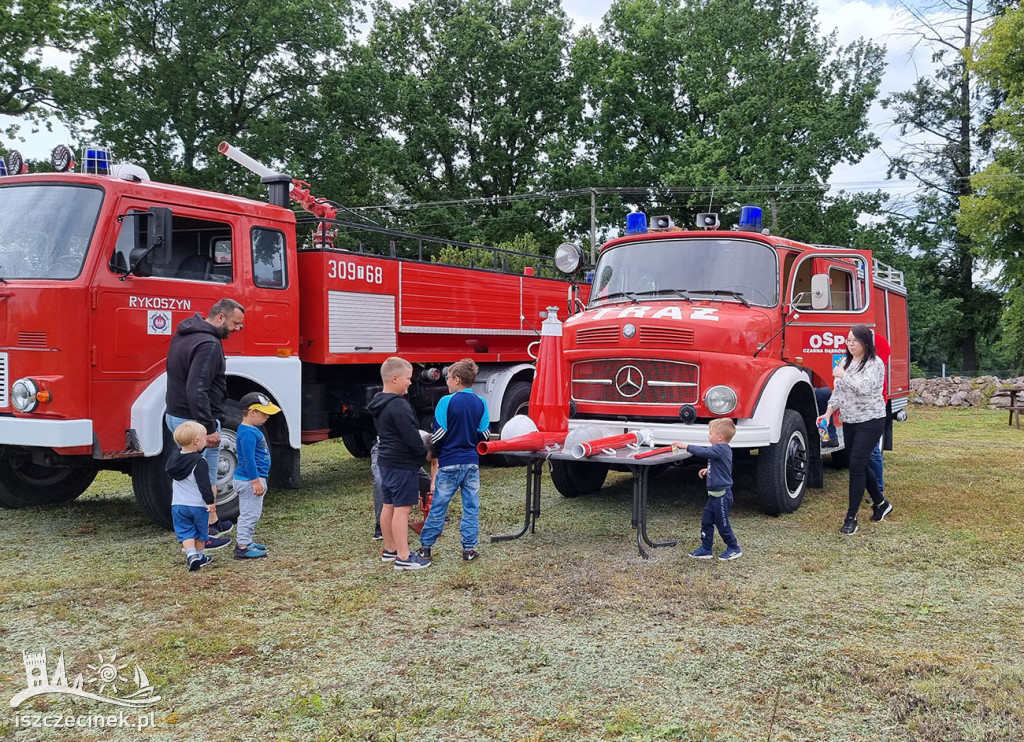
827, 293
136, 314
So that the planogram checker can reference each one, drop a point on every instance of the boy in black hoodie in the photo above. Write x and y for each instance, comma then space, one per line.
400, 454
192, 500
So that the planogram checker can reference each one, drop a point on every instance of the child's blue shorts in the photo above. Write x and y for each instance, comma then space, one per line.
190, 522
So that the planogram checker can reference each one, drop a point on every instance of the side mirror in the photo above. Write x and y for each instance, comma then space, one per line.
158, 241
159, 233
820, 288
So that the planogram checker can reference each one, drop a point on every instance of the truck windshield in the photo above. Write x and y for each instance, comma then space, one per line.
45, 229
705, 269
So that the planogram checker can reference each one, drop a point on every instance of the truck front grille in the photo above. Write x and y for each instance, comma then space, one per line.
3, 380
635, 381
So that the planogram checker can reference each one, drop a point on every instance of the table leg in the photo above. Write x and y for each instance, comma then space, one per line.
534, 469
640, 479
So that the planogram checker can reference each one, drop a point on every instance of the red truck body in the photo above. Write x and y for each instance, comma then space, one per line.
83, 339
686, 326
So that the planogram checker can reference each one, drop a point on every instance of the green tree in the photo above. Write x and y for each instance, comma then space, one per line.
26, 80
993, 212
162, 81
480, 95
720, 93
943, 140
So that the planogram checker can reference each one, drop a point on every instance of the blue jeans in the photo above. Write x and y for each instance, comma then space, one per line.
716, 515
875, 462
212, 455
465, 477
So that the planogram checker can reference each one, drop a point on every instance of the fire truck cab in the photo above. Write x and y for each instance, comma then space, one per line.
686, 326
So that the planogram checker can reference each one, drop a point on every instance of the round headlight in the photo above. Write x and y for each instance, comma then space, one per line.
720, 400
23, 395
568, 257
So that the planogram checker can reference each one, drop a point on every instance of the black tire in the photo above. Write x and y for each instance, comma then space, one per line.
359, 443
515, 402
574, 478
152, 485
23, 484
782, 468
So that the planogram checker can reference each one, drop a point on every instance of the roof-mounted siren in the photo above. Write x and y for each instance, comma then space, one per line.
96, 161
99, 161
636, 223
708, 220
661, 223
13, 164
750, 219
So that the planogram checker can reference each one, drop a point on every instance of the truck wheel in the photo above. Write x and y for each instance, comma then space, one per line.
23, 483
782, 467
572, 478
515, 402
152, 485
227, 498
359, 443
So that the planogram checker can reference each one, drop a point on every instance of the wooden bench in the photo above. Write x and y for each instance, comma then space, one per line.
1012, 407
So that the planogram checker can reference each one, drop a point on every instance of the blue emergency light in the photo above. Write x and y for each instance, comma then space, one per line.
636, 223
3, 168
750, 219
96, 161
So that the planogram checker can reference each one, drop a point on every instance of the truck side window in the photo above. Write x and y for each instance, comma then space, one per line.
843, 296
200, 251
269, 264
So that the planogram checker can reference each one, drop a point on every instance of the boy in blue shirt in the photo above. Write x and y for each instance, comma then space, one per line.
192, 499
252, 471
461, 420
719, 481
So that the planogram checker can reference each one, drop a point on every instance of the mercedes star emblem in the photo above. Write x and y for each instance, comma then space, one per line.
629, 381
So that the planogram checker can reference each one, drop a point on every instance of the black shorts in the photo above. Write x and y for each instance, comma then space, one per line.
400, 487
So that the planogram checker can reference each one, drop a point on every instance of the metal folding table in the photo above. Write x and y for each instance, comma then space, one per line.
625, 458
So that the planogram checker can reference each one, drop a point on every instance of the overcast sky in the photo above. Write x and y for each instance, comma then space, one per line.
851, 19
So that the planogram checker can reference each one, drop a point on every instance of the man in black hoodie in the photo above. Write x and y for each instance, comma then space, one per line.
197, 384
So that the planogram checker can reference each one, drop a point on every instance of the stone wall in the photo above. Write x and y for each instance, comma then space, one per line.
961, 391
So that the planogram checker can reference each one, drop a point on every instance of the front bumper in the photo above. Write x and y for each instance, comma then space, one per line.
748, 435
20, 431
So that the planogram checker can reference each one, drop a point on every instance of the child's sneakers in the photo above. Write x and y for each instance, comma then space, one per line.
216, 543
388, 556
701, 553
468, 555
415, 561
249, 552
424, 551
195, 561
220, 528
733, 552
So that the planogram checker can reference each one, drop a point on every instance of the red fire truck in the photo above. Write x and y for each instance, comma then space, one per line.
686, 326
98, 268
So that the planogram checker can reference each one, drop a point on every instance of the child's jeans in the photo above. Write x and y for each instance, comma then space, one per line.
250, 508
450, 478
716, 515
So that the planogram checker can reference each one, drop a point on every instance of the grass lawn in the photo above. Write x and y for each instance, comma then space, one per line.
909, 630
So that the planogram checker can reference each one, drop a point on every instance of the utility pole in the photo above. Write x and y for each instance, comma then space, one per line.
593, 226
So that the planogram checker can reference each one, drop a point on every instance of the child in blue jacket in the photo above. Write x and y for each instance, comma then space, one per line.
719, 480
252, 472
